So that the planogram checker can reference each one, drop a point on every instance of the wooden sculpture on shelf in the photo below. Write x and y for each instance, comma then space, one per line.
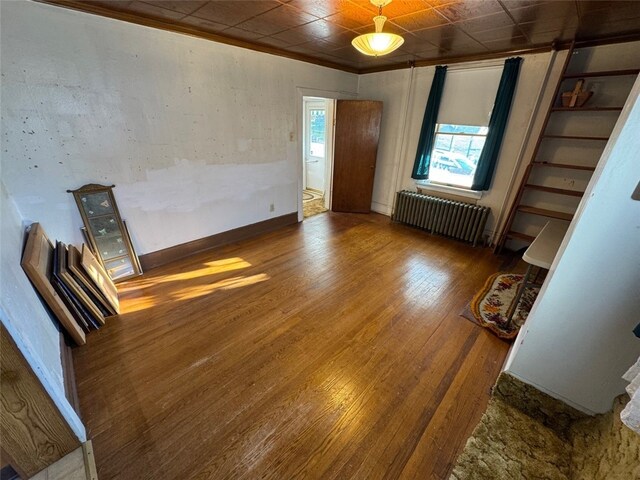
576, 98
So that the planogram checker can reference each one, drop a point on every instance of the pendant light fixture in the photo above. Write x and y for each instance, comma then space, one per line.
378, 43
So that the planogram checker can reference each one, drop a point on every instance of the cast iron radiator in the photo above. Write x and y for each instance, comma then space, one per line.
460, 220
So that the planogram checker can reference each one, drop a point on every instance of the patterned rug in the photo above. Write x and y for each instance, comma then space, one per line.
490, 305
313, 207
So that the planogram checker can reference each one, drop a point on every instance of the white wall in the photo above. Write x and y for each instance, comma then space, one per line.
198, 137
397, 148
577, 341
24, 317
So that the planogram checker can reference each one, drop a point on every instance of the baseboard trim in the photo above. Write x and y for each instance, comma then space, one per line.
69, 375
170, 254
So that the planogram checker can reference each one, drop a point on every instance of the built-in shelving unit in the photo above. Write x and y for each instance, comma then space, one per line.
569, 145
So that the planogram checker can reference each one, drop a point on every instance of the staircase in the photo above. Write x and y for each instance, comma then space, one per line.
570, 144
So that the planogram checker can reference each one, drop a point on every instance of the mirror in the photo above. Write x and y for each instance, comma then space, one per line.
105, 231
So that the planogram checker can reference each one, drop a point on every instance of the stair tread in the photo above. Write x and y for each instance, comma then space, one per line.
545, 213
520, 236
576, 137
560, 191
586, 109
603, 73
565, 165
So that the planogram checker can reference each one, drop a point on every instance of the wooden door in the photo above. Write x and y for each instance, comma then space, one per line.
354, 162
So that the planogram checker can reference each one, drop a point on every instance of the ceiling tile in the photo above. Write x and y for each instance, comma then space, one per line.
466, 9
420, 20
545, 11
153, 11
292, 37
277, 20
396, 8
321, 29
329, 44
308, 48
182, 6
511, 4
233, 13
321, 8
618, 9
506, 43
438, 33
110, 4
559, 26
545, 38
432, 53
203, 24
241, 34
274, 42
450, 38
432, 29
353, 17
593, 27
389, 27
488, 22
498, 33
413, 44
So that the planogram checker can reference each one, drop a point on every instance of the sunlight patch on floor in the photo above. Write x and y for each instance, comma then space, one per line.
227, 284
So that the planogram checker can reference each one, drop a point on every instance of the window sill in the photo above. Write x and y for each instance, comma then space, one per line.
459, 191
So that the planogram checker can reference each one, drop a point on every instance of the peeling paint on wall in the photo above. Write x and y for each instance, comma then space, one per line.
194, 134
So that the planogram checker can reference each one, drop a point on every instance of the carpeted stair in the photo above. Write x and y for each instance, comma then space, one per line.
550, 441
508, 444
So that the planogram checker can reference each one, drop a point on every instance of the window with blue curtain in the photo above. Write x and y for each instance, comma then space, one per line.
463, 128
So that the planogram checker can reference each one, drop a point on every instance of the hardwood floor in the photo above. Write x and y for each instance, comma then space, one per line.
328, 349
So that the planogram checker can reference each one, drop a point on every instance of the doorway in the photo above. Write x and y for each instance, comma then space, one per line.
317, 155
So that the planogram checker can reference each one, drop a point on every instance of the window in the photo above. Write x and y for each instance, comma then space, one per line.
455, 154
316, 131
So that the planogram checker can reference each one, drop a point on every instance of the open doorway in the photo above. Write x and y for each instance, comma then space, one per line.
317, 154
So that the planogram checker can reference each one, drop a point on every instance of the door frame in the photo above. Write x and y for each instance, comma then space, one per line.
302, 92
307, 104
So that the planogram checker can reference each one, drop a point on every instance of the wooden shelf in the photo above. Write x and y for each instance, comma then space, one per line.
586, 109
562, 129
521, 236
603, 73
577, 137
559, 191
565, 165
545, 213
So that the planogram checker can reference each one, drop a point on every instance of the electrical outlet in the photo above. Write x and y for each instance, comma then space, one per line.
272, 207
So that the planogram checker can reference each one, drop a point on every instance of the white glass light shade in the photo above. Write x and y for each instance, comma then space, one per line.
375, 44
378, 43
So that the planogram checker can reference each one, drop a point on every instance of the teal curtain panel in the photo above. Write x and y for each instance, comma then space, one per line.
497, 125
427, 133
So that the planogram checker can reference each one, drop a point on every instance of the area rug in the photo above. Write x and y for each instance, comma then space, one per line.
490, 306
313, 207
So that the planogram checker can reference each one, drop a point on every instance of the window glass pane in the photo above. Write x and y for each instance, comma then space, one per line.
456, 153
316, 132
472, 129
443, 142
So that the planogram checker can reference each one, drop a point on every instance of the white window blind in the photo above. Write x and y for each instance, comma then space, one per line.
468, 95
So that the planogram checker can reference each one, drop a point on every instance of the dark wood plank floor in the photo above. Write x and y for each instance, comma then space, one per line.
329, 349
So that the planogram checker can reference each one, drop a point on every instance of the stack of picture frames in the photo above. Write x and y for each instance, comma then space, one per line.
72, 282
